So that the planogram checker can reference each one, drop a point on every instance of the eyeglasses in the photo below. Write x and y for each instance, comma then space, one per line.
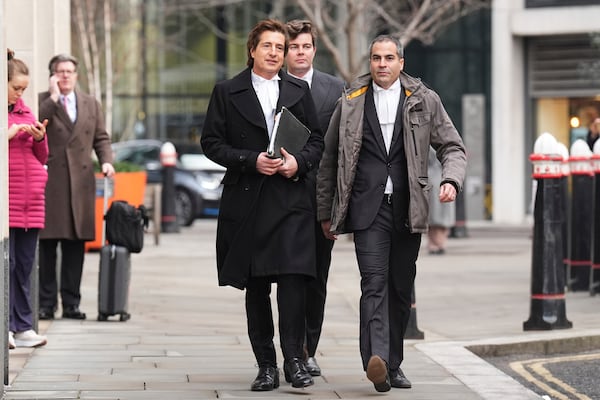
65, 72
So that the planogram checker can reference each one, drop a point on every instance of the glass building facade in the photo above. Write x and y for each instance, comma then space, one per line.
167, 56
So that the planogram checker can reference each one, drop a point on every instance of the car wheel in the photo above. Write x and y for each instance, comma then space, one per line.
184, 207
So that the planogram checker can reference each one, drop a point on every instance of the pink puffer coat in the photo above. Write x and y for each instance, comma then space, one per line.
27, 175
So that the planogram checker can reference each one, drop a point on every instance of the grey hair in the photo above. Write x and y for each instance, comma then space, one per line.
61, 58
388, 38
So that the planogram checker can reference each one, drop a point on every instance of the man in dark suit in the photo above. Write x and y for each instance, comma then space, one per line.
265, 230
372, 181
75, 128
326, 90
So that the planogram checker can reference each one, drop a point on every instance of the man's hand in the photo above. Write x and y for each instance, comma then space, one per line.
447, 193
53, 87
266, 165
326, 226
289, 166
108, 170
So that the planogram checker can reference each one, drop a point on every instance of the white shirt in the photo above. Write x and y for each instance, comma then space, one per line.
70, 105
386, 105
267, 91
307, 77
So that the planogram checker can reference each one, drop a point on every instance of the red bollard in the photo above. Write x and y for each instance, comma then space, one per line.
168, 159
595, 271
579, 260
547, 307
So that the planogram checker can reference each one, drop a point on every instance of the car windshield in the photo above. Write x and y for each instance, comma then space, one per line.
195, 162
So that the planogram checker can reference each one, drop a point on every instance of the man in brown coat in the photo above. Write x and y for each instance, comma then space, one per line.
75, 128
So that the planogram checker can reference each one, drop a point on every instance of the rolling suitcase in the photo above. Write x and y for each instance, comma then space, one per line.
114, 276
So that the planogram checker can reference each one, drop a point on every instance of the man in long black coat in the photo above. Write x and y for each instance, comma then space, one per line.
266, 220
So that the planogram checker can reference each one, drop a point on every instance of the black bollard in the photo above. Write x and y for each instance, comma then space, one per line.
564, 204
459, 230
547, 307
168, 219
579, 261
595, 270
412, 331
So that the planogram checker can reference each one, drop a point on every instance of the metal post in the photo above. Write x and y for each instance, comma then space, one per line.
412, 330
547, 307
564, 205
4, 266
595, 239
168, 159
579, 261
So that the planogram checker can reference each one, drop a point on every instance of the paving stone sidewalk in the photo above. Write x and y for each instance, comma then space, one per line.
187, 336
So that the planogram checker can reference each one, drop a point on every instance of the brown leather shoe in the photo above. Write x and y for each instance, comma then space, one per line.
377, 372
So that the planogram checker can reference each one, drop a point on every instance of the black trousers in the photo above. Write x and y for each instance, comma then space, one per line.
72, 253
316, 292
387, 262
290, 303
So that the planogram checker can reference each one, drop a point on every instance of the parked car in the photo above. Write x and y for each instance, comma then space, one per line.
197, 179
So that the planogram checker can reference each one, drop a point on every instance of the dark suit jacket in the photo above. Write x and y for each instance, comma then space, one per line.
71, 188
265, 225
374, 165
326, 90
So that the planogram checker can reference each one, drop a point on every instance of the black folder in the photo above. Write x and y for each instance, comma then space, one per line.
289, 133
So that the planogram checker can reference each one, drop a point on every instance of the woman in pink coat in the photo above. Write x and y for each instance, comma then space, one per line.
27, 176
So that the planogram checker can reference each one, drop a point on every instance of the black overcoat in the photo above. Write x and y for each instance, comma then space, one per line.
265, 223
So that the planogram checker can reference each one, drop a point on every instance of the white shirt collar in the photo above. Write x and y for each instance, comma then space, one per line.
70, 96
386, 102
307, 77
267, 91
257, 79
395, 86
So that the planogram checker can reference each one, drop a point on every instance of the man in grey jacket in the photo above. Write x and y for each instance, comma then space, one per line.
372, 181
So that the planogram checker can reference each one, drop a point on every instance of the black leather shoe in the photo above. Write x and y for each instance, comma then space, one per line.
398, 379
377, 372
266, 380
45, 314
296, 373
73, 312
312, 367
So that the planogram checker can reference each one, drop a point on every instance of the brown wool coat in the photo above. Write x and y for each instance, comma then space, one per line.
71, 188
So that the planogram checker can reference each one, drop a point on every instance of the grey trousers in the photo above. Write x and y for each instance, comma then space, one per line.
387, 262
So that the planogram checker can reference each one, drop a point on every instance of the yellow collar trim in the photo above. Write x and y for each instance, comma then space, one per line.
357, 92
362, 90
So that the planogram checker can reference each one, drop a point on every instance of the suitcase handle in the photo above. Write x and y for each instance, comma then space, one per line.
104, 208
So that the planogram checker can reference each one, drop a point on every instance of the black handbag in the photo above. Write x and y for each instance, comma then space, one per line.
125, 225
